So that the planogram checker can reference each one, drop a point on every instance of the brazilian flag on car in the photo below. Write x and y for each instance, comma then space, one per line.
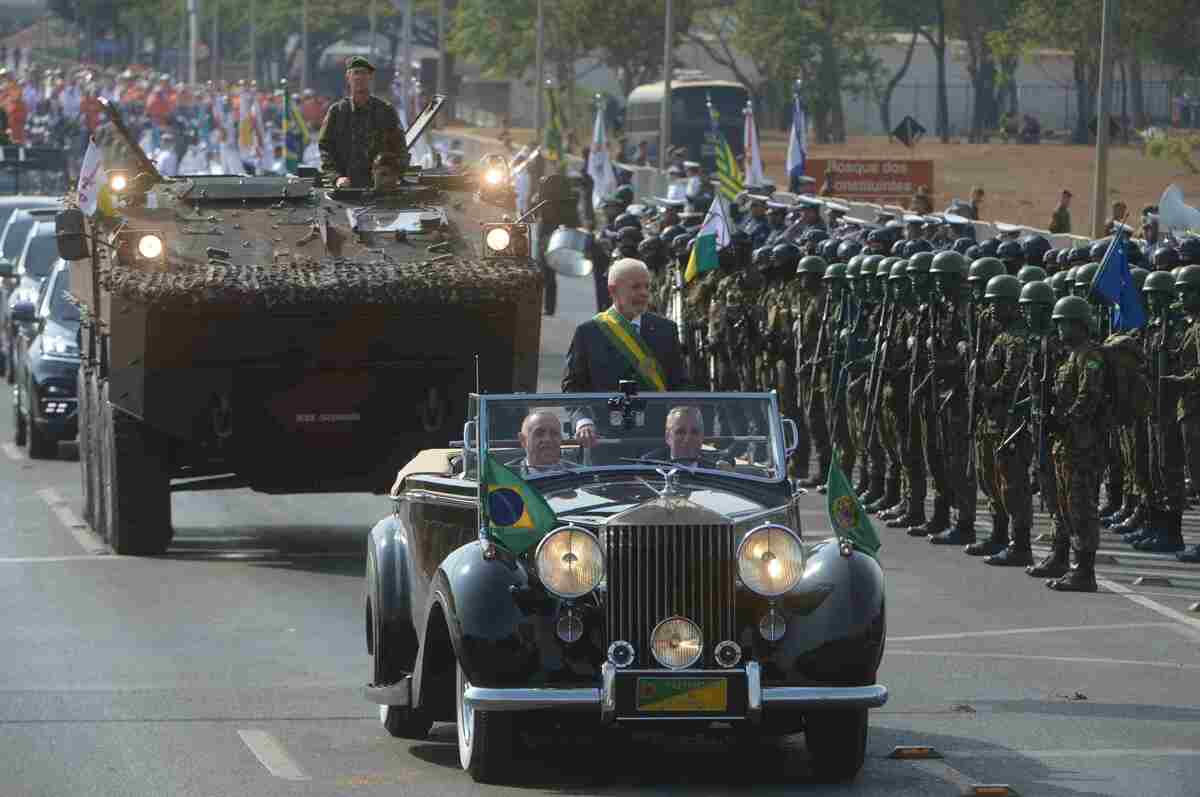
515, 515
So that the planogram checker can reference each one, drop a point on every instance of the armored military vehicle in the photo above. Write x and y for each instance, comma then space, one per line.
267, 331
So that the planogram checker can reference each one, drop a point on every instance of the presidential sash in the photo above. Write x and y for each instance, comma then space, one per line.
624, 336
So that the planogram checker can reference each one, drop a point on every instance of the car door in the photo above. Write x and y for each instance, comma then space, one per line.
26, 337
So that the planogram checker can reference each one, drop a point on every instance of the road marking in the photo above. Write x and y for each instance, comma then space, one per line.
1012, 631
12, 452
1065, 659
1159, 752
1192, 624
27, 560
270, 754
88, 540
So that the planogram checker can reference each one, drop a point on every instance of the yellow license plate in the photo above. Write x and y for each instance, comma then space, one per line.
682, 694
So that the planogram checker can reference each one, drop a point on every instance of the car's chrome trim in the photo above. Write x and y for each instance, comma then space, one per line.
608, 692
753, 691
824, 696
397, 694
428, 496
526, 699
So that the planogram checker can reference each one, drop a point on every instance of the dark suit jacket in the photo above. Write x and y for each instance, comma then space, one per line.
595, 366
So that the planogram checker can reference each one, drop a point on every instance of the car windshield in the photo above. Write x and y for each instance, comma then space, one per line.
539, 435
14, 234
41, 254
61, 309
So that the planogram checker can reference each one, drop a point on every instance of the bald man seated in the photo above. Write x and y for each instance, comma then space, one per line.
541, 437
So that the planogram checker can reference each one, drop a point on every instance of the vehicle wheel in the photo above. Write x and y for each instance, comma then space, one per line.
485, 738
837, 742
138, 487
402, 722
85, 472
97, 455
41, 445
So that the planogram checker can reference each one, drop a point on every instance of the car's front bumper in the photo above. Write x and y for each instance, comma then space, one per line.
759, 699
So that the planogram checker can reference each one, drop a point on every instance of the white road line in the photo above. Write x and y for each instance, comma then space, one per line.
1132, 752
1013, 631
270, 754
12, 452
1165, 665
32, 560
88, 540
1192, 624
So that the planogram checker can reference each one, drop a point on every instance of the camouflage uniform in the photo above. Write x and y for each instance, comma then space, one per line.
871, 454
1079, 441
950, 445
1008, 478
351, 137
836, 384
811, 391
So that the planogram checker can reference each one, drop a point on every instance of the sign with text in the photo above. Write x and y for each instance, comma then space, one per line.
871, 179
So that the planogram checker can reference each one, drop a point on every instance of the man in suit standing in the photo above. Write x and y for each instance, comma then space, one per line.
623, 342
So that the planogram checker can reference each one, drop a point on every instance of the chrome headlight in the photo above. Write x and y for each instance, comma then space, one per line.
498, 239
150, 247
569, 562
770, 560
677, 643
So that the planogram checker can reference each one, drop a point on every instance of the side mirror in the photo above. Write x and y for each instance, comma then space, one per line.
791, 436
22, 313
70, 228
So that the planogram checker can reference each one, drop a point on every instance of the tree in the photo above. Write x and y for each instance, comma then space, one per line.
885, 94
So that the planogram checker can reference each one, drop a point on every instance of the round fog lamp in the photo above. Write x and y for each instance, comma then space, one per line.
117, 183
727, 653
150, 246
569, 627
498, 239
621, 654
493, 176
677, 643
773, 626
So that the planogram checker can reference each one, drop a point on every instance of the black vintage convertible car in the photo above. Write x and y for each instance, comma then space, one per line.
650, 580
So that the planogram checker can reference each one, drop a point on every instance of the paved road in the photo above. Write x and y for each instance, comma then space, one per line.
232, 666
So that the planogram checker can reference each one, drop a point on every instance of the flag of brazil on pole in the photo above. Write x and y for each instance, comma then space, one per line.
846, 514
515, 514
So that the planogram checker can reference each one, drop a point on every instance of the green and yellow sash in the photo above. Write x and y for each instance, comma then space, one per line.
624, 336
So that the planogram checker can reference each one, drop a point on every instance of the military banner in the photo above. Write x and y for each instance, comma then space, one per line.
891, 181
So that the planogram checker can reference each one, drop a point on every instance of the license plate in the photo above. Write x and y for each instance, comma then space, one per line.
682, 694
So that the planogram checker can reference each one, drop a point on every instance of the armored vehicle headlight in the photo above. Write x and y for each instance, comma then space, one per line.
569, 562
677, 643
498, 239
493, 177
770, 560
117, 181
150, 247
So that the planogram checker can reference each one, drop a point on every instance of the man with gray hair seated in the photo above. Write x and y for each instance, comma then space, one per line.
625, 342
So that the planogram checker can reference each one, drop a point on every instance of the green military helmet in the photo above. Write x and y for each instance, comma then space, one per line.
1084, 276
884, 269
984, 268
949, 262
899, 270
1071, 276
812, 264
1029, 274
920, 263
1159, 282
835, 273
1139, 278
853, 268
1175, 271
1058, 283
1188, 277
867, 266
1037, 292
1003, 287
1072, 308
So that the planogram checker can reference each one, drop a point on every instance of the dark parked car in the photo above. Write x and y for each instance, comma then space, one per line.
15, 221
33, 262
47, 357
658, 579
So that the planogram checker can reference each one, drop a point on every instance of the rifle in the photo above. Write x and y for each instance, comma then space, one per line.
887, 321
1160, 372
816, 357
972, 389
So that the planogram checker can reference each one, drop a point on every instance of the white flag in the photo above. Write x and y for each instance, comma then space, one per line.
599, 167
797, 155
754, 167
88, 190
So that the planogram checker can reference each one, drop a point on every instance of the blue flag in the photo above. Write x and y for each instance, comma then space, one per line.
1114, 282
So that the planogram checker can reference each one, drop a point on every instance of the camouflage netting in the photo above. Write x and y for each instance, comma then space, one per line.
305, 281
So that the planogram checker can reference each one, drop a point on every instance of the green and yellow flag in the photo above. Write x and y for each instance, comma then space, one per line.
713, 236
729, 176
846, 514
514, 513
554, 129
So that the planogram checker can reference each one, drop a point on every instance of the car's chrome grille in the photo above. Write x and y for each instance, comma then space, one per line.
660, 571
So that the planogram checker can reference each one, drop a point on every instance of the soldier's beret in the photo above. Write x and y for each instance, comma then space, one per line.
358, 62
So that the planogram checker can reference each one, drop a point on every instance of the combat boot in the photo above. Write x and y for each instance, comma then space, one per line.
1114, 497
895, 511
1168, 538
994, 544
1191, 556
875, 490
864, 480
1054, 565
1121, 514
961, 533
890, 497
1152, 527
1019, 552
938, 523
1135, 520
1080, 578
